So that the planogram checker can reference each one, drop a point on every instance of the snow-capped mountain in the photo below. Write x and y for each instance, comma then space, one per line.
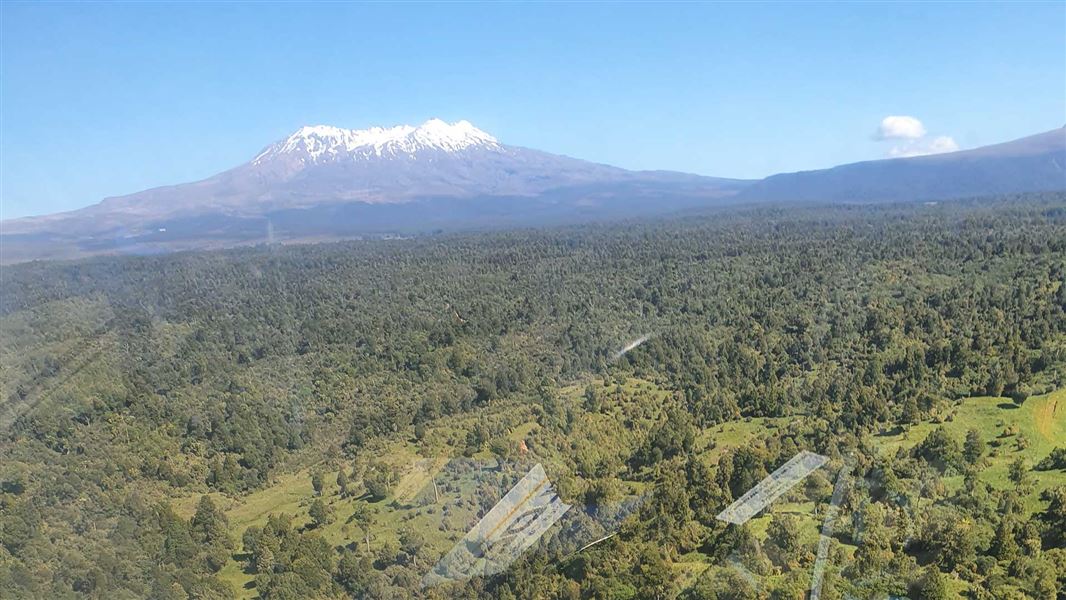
325, 143
324, 165
323, 182
350, 181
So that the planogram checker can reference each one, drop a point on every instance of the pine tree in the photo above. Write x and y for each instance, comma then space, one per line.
1004, 546
973, 448
875, 549
320, 513
1018, 471
342, 483
934, 586
911, 413
264, 560
209, 525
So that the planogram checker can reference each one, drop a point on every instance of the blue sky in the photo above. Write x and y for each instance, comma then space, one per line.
108, 99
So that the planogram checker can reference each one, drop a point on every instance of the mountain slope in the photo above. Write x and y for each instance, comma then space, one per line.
324, 182
1034, 163
322, 165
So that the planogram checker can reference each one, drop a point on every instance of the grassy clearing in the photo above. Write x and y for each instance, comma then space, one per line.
1049, 416
1030, 432
712, 443
1040, 420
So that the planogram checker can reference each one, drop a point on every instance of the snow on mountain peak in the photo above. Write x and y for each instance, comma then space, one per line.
323, 143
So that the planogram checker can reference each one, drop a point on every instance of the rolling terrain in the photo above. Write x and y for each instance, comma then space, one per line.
179, 425
1040, 420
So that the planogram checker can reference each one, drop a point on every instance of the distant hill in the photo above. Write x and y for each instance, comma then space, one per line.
1030, 164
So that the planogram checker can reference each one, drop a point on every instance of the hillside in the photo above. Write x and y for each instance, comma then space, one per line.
163, 418
1040, 420
1030, 164
327, 183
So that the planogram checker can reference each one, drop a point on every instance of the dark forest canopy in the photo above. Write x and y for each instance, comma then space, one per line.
130, 382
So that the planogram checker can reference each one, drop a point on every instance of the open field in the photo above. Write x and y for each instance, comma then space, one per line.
1030, 431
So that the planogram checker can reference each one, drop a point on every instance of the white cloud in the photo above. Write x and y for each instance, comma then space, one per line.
913, 138
900, 127
925, 146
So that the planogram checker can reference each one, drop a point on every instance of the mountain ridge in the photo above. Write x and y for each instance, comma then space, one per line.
326, 165
338, 143
325, 182
1030, 164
